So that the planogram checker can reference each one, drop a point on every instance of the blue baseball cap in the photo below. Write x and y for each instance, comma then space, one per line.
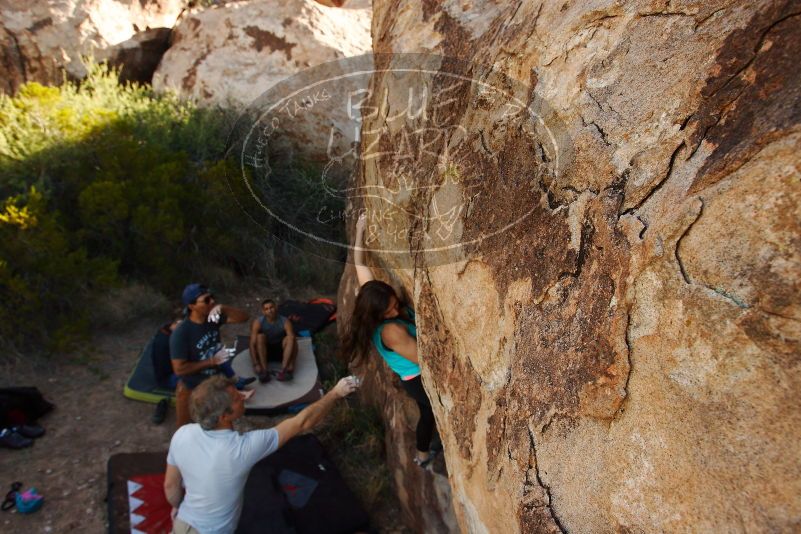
192, 292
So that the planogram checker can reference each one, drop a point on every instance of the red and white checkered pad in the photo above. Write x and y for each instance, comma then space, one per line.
149, 508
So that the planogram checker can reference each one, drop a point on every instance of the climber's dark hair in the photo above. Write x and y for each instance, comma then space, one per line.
371, 303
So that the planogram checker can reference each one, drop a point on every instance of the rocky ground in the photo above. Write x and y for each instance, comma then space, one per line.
93, 421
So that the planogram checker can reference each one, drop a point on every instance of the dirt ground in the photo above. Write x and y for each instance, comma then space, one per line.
93, 421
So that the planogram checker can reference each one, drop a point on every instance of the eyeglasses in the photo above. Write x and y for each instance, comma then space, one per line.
205, 300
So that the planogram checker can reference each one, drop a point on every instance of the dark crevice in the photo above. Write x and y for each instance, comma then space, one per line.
664, 14
553, 203
602, 18
686, 276
627, 338
586, 236
603, 134
20, 58
686, 121
722, 114
544, 486
641, 235
609, 108
542, 154
678, 244
661, 183
699, 23
597, 103
757, 47
619, 185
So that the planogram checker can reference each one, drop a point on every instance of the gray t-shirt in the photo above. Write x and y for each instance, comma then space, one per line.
215, 465
195, 342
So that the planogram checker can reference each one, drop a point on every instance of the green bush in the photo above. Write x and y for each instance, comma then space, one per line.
104, 183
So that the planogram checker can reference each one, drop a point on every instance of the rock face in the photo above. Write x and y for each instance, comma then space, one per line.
43, 41
138, 57
235, 52
626, 356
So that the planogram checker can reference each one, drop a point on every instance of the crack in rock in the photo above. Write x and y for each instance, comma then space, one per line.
20, 59
543, 485
683, 270
757, 47
686, 276
627, 339
661, 182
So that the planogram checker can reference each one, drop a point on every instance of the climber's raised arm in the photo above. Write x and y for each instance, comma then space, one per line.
363, 272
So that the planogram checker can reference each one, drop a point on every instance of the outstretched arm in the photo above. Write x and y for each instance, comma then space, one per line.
314, 413
363, 272
235, 315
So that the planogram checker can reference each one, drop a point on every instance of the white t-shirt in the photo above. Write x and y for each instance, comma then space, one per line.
214, 465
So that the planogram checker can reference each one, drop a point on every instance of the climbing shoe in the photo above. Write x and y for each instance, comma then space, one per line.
264, 377
29, 431
283, 375
14, 440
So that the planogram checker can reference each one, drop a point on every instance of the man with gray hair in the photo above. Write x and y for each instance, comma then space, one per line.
209, 462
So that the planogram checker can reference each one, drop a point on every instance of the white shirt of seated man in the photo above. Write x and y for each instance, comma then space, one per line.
209, 462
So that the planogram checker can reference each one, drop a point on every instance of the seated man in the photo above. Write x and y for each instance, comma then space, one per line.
212, 460
195, 346
163, 368
272, 338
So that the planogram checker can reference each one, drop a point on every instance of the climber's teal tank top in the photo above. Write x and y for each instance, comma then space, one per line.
404, 368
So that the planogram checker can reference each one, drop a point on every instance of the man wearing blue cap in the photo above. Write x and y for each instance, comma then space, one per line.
196, 350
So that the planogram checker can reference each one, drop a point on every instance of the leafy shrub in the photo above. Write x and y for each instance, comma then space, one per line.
103, 183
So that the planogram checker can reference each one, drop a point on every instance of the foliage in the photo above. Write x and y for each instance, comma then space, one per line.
353, 431
105, 183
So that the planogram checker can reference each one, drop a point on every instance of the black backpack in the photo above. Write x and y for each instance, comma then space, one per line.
159, 349
21, 405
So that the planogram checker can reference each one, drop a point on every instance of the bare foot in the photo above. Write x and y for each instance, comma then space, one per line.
247, 394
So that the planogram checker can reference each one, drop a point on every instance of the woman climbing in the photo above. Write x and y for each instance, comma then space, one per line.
380, 319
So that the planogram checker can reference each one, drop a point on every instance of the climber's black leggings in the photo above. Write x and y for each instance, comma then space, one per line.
425, 426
